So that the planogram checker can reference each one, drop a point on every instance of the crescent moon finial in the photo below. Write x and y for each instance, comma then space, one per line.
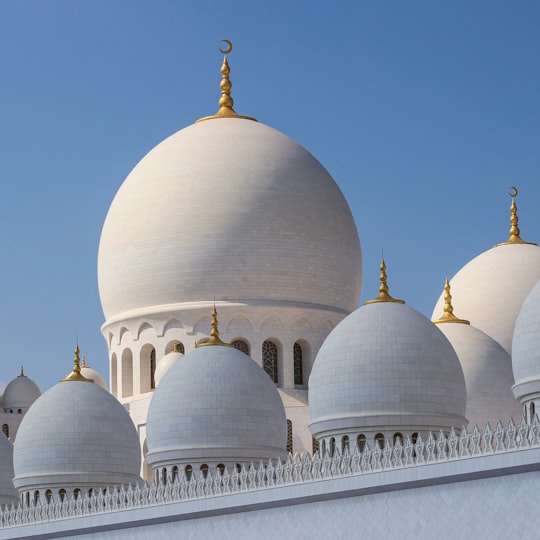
227, 49
514, 192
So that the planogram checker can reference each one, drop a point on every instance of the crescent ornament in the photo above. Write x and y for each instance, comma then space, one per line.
514, 191
227, 49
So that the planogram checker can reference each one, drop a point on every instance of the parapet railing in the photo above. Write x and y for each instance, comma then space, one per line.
297, 469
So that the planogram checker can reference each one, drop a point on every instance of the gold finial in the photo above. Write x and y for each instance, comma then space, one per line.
448, 315
383, 288
514, 229
226, 101
176, 346
214, 334
76, 374
83, 361
22, 372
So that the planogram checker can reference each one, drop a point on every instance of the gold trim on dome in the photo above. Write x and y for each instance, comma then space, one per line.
226, 101
383, 288
514, 238
214, 334
76, 374
448, 315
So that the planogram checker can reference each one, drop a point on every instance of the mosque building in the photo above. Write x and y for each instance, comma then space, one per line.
250, 395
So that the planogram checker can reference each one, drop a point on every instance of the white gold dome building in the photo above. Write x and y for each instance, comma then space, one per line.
233, 209
384, 373
75, 438
216, 408
487, 368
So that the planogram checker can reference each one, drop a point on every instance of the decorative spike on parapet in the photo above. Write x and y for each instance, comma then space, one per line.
384, 296
514, 238
76, 375
214, 334
226, 101
448, 315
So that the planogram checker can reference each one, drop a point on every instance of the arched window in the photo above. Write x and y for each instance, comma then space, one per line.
127, 373
241, 345
36, 497
298, 364
62, 494
314, 445
323, 448
414, 437
114, 375
332, 446
379, 440
532, 411
398, 437
164, 475
289, 437
344, 444
90, 492
361, 442
204, 470
27, 498
48, 495
221, 469
76, 493
270, 359
174, 473
188, 471
5, 430
152, 368
19, 411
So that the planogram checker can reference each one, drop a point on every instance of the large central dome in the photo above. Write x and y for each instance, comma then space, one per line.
229, 207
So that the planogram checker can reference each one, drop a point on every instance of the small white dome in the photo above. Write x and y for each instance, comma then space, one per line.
93, 375
488, 375
20, 393
8, 494
215, 405
386, 365
491, 288
526, 348
242, 201
165, 364
76, 435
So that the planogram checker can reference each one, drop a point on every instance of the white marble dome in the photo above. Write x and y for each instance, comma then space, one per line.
488, 375
8, 494
386, 367
76, 435
526, 349
215, 406
20, 393
229, 207
165, 364
491, 288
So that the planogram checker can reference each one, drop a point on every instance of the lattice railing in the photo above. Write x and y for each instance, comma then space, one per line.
297, 469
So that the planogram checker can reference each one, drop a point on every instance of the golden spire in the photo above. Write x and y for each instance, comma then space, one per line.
226, 101
76, 375
83, 361
448, 315
514, 229
214, 334
22, 372
383, 288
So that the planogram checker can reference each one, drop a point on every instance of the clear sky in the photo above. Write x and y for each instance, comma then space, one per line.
425, 112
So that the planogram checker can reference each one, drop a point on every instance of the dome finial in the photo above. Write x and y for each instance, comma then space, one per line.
22, 372
226, 101
214, 333
448, 315
76, 374
514, 238
383, 288
176, 346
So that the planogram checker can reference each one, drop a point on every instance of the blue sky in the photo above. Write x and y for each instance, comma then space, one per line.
425, 112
